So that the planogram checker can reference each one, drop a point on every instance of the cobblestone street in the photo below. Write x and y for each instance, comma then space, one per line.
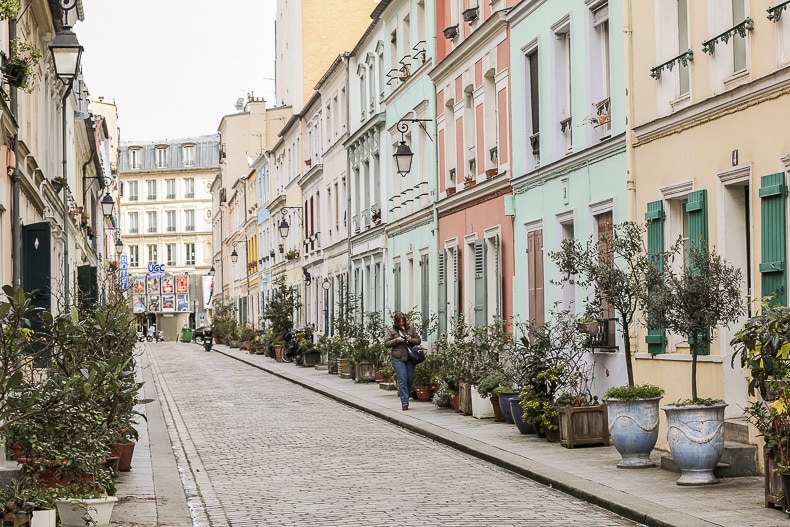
259, 450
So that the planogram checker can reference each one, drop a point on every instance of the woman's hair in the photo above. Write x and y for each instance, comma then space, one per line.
398, 318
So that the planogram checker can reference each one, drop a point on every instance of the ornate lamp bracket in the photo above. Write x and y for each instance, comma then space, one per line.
775, 12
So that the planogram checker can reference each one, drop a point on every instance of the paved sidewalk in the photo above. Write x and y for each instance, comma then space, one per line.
649, 496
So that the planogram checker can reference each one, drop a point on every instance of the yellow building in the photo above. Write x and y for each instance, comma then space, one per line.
709, 156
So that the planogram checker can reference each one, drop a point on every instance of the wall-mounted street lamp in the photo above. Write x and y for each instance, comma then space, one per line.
234, 256
283, 226
326, 284
212, 271
118, 243
403, 154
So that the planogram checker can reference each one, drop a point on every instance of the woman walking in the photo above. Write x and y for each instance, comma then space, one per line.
399, 337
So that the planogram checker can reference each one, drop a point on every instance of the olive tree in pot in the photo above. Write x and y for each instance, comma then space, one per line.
615, 267
692, 298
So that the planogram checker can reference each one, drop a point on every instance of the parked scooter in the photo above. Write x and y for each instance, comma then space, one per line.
208, 339
160, 336
140, 336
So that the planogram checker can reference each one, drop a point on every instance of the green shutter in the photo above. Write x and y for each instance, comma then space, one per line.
456, 283
442, 292
773, 195
497, 277
425, 298
656, 338
697, 213
88, 287
480, 283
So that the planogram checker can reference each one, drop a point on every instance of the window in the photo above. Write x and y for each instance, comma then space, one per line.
151, 221
134, 223
562, 86
738, 44
683, 44
533, 108
190, 253
188, 155
152, 255
170, 188
161, 157
133, 192
135, 158
134, 256
189, 187
151, 184
170, 248
189, 220
171, 220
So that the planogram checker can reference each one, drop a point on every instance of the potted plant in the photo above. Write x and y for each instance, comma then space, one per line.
762, 349
278, 312
489, 387
9, 9
633, 422
291, 254
18, 67
691, 299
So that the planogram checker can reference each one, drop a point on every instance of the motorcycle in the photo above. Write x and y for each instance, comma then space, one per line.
160, 336
140, 336
204, 336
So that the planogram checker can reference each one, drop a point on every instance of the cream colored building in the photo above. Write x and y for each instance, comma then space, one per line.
309, 36
709, 156
165, 220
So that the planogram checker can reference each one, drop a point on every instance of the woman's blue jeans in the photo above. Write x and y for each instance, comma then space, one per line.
405, 373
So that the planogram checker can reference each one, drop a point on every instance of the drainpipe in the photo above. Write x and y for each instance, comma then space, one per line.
65, 202
16, 211
629, 139
344, 300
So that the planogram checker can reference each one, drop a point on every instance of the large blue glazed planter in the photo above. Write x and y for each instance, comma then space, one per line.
695, 434
504, 405
633, 429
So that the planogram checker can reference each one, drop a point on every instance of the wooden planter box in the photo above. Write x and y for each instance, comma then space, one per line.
311, 359
584, 425
773, 483
343, 367
365, 372
465, 398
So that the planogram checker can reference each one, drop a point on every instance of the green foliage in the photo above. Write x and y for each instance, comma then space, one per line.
538, 409
489, 384
692, 297
223, 317
632, 393
615, 268
425, 372
24, 57
763, 346
9, 9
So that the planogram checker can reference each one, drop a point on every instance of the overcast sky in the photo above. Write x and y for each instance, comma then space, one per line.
175, 67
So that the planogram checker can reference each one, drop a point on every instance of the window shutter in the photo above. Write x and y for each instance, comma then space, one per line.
535, 276
697, 212
397, 291
497, 277
425, 278
480, 283
442, 292
656, 338
88, 287
773, 197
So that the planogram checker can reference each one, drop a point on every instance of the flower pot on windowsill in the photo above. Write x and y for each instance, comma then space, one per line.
491, 172
469, 183
450, 190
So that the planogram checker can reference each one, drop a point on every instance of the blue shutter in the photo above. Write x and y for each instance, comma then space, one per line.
773, 197
656, 338
425, 278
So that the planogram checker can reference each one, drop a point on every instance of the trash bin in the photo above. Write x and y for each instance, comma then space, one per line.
186, 334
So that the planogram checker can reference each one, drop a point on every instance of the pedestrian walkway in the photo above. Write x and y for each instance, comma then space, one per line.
648, 496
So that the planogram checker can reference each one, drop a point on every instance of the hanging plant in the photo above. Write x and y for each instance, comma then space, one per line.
9, 9
18, 67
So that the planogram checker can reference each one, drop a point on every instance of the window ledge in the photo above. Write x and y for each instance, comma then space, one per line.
682, 357
681, 102
736, 79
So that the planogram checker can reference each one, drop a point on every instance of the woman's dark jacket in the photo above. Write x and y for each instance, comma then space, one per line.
399, 350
